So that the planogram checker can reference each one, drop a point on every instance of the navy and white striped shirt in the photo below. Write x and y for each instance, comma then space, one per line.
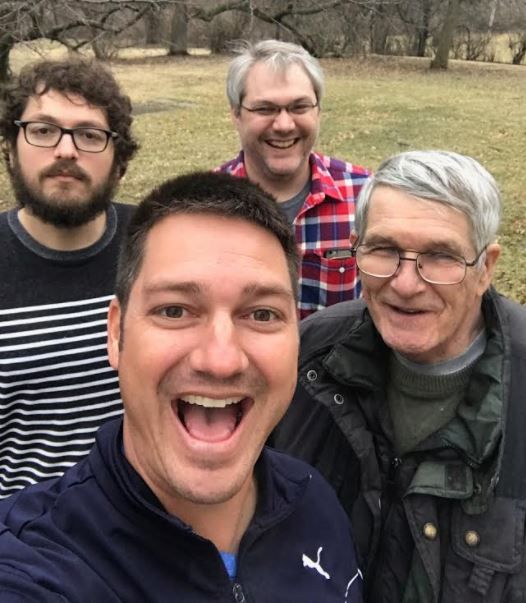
56, 386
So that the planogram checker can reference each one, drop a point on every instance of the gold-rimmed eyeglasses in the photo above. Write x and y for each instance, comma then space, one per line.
435, 267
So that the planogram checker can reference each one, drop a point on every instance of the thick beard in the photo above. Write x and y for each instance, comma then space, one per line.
63, 213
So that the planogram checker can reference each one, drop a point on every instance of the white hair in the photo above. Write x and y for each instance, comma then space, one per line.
441, 177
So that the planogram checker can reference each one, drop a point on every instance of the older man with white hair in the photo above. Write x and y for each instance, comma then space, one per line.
412, 401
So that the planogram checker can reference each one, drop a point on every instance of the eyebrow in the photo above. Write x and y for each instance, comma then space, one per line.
432, 245
258, 290
186, 287
299, 99
53, 120
254, 290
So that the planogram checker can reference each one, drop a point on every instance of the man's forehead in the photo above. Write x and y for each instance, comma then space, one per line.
46, 99
391, 200
44, 91
395, 214
277, 72
206, 244
233, 233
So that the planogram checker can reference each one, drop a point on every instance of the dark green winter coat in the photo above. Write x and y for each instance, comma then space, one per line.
446, 523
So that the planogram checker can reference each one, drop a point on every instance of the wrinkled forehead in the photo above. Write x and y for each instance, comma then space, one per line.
401, 216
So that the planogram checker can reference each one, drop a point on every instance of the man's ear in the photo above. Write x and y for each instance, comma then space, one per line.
114, 333
488, 269
353, 238
235, 113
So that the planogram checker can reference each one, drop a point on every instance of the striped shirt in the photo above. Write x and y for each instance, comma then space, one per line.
56, 386
322, 229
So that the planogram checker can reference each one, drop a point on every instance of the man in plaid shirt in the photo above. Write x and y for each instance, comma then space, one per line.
275, 89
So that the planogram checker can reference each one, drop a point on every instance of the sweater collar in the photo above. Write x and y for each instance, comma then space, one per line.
64, 257
361, 361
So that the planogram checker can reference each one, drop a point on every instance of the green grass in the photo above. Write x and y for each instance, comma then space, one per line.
373, 108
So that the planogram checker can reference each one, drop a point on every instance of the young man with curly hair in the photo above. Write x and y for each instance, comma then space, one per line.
66, 138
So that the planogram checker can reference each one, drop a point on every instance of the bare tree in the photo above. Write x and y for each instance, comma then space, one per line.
424, 28
315, 24
179, 30
492, 14
512, 21
152, 23
73, 23
417, 16
517, 46
323, 27
471, 46
293, 18
445, 37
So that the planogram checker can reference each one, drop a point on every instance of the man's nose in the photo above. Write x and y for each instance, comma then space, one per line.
219, 352
66, 147
407, 280
283, 120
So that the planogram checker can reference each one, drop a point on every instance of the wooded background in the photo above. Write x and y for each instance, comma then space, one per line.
437, 29
382, 96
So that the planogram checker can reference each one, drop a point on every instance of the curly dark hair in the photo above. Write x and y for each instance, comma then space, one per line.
85, 77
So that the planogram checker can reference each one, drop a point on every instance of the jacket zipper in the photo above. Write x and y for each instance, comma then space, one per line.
239, 595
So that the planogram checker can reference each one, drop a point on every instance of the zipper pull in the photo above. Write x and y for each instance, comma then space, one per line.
239, 595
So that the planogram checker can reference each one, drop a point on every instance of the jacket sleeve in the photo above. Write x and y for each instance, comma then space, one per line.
16, 588
19, 571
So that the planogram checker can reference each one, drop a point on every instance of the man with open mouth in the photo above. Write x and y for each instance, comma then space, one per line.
179, 500
275, 91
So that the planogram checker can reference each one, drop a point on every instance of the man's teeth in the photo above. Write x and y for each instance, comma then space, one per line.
281, 144
210, 402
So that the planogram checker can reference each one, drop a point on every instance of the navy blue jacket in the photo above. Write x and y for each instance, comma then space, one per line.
99, 535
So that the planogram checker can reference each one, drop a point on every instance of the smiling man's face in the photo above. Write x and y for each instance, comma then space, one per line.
207, 356
277, 148
424, 322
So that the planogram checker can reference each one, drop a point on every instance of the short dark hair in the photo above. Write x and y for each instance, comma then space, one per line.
209, 193
75, 75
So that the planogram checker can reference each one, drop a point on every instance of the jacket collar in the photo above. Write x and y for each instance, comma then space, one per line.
280, 485
322, 183
361, 360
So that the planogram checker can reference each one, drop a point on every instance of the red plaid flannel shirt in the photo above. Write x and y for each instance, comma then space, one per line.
322, 226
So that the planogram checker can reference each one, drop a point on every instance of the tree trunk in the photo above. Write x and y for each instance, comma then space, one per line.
152, 25
519, 52
423, 31
446, 36
378, 30
492, 14
179, 30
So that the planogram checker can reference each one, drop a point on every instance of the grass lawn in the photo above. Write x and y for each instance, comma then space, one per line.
373, 108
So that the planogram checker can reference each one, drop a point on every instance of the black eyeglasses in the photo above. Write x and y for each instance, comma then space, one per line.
272, 110
435, 267
46, 135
